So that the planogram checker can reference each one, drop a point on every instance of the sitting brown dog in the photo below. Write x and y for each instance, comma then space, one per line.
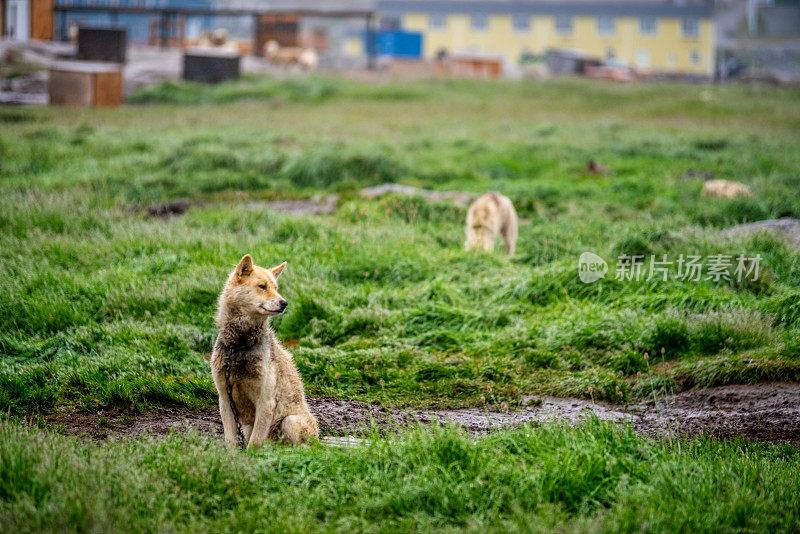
260, 390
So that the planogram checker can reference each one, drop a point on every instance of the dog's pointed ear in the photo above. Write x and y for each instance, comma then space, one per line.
245, 266
278, 270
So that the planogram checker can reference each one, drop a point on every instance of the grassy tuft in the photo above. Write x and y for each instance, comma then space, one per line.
596, 477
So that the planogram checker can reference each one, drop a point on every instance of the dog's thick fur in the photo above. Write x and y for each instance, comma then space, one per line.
266, 387
491, 214
726, 189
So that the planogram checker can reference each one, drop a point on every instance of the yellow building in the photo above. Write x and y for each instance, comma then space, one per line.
660, 35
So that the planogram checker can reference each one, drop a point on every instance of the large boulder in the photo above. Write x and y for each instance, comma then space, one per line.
787, 229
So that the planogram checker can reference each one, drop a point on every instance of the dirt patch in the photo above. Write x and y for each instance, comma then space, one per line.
168, 209
312, 206
594, 167
694, 174
165, 210
300, 207
761, 412
102, 424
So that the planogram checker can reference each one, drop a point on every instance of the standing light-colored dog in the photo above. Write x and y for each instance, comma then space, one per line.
491, 214
250, 366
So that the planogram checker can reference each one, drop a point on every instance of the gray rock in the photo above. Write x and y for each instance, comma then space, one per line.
458, 197
787, 229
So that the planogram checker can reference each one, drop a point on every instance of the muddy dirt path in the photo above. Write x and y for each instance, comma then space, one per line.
761, 412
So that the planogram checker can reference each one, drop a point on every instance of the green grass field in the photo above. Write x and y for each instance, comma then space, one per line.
598, 478
101, 306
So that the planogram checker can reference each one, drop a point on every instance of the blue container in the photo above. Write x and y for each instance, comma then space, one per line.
398, 44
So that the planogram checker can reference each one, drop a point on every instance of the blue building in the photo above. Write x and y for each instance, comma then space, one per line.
140, 17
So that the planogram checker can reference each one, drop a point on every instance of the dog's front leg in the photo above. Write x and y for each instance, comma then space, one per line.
228, 421
265, 410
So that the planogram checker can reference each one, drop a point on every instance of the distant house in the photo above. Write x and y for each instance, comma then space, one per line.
139, 17
182, 22
661, 35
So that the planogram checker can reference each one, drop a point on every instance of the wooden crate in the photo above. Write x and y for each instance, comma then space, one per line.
476, 67
75, 83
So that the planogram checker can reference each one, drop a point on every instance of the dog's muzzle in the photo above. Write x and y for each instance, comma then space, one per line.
280, 305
